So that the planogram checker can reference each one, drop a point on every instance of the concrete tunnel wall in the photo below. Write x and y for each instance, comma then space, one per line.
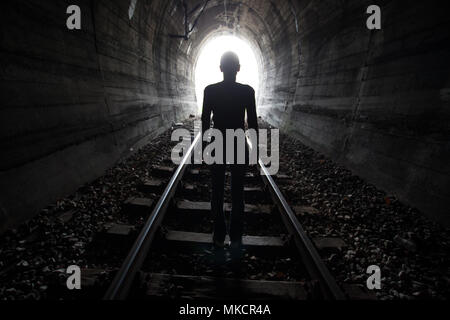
76, 102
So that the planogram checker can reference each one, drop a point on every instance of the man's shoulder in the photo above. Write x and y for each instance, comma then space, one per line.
212, 86
246, 88
218, 86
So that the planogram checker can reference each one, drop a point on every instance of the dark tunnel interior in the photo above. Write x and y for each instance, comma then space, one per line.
75, 103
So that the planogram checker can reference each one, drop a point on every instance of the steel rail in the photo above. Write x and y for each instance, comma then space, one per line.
310, 256
123, 281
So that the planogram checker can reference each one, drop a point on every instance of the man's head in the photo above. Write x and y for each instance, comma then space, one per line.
229, 64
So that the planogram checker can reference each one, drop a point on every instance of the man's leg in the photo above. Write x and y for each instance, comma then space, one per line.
237, 190
218, 185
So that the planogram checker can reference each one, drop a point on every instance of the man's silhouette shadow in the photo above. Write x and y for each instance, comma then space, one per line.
228, 102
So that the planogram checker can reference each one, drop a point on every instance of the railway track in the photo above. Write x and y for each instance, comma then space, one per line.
279, 261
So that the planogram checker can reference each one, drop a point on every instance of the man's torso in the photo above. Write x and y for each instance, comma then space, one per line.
228, 103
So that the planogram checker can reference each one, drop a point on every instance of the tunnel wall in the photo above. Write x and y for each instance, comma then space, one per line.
376, 101
76, 102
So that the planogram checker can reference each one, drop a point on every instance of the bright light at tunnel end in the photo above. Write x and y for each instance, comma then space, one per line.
207, 70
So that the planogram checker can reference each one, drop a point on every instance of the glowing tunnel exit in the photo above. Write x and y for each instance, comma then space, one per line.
207, 70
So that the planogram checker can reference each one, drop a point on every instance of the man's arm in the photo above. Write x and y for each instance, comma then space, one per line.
252, 119
206, 114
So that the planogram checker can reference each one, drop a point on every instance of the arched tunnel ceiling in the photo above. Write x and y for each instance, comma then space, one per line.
372, 100
270, 27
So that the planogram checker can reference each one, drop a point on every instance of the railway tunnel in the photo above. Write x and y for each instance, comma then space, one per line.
76, 102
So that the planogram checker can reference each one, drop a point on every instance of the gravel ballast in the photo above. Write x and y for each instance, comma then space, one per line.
411, 251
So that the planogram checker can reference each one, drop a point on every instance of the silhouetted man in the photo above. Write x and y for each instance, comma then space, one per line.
228, 101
